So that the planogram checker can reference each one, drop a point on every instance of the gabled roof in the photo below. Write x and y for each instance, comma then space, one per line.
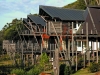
37, 20
25, 20
95, 15
63, 13
90, 7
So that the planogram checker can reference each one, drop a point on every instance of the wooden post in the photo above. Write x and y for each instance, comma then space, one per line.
69, 49
32, 54
67, 54
86, 43
91, 46
88, 52
34, 58
22, 55
76, 53
41, 48
50, 50
93, 51
82, 49
56, 62
99, 2
72, 46
97, 48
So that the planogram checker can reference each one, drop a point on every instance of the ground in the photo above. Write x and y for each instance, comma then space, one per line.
83, 72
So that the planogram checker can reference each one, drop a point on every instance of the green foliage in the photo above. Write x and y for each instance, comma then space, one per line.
44, 59
52, 73
94, 67
34, 71
80, 4
62, 68
10, 30
67, 70
18, 72
4, 57
80, 61
37, 69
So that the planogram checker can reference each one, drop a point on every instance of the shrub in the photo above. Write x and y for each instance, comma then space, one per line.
34, 71
94, 67
67, 70
18, 72
62, 68
52, 73
30, 72
80, 61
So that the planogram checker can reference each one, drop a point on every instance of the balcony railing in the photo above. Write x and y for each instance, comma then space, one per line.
26, 32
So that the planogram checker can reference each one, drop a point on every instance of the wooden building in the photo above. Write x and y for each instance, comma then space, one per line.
69, 31
49, 31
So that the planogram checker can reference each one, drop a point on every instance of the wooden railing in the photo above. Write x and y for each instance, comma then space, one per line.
26, 32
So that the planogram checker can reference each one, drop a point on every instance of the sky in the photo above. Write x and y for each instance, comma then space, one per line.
11, 9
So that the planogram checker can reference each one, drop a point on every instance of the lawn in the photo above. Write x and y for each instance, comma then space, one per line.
83, 72
6, 62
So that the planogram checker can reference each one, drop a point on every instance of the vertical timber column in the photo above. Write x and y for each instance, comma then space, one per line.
76, 52
91, 46
82, 49
68, 49
50, 51
41, 48
56, 62
32, 54
93, 51
67, 53
87, 43
72, 45
34, 58
97, 48
99, 2
22, 55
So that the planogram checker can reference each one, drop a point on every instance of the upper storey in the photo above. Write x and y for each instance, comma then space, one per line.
61, 13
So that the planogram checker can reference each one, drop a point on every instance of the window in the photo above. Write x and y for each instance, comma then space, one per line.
74, 25
79, 43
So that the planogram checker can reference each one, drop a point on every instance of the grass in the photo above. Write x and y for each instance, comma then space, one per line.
6, 62
83, 72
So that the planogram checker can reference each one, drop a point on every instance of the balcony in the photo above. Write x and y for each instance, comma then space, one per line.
30, 32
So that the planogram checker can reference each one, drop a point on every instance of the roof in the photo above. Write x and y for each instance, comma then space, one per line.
95, 14
86, 11
63, 13
25, 20
37, 20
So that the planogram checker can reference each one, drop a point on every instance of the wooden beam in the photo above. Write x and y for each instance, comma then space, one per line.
76, 54
87, 43
72, 45
32, 54
97, 49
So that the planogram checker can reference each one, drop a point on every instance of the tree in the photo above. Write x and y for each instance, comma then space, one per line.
10, 31
67, 70
44, 59
80, 4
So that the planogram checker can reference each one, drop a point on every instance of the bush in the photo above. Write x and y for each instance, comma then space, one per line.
18, 72
52, 73
94, 67
62, 68
67, 70
80, 61
30, 72
34, 71
4, 57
